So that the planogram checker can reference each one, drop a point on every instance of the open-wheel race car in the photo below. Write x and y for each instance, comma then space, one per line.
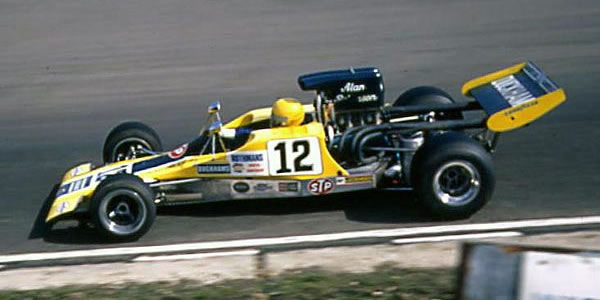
347, 140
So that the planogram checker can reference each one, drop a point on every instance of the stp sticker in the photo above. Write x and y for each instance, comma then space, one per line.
179, 152
320, 186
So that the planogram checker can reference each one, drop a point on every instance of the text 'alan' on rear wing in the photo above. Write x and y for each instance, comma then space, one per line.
515, 96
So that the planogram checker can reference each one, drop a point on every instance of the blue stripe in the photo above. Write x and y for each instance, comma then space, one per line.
151, 163
490, 99
532, 86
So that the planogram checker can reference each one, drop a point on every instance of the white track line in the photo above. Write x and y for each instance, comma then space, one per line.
250, 243
196, 255
444, 238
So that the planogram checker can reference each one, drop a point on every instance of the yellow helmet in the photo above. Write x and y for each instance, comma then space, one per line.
287, 112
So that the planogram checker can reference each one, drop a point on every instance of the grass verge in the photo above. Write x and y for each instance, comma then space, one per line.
384, 283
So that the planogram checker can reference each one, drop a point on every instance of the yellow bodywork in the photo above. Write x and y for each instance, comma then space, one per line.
519, 115
257, 141
186, 167
66, 204
485, 79
265, 150
525, 113
70, 202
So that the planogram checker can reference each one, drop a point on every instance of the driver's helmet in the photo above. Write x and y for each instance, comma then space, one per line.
287, 112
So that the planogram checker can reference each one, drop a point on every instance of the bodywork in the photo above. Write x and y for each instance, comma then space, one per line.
296, 161
250, 171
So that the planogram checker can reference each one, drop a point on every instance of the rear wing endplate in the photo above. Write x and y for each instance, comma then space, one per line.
515, 96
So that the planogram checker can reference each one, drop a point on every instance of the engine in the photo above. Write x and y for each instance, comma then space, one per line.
346, 98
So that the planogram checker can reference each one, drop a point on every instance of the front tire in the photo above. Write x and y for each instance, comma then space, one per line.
128, 140
453, 175
122, 207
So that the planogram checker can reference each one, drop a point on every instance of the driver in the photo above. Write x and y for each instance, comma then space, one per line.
287, 112
284, 112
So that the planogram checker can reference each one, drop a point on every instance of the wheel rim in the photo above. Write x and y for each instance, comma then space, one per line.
129, 149
457, 183
122, 212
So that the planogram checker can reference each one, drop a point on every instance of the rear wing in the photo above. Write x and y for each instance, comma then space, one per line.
515, 96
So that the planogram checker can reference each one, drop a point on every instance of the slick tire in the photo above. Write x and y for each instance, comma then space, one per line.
453, 175
122, 207
424, 95
124, 141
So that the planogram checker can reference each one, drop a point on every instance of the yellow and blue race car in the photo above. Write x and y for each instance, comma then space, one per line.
347, 140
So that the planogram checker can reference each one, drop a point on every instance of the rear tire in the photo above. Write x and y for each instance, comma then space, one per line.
424, 95
123, 208
125, 141
453, 175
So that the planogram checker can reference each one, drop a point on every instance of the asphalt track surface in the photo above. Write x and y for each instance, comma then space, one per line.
71, 70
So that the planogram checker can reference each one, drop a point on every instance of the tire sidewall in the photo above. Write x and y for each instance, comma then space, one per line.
126, 182
428, 95
435, 155
127, 130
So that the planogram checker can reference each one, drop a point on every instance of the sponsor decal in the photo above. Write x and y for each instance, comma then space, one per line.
246, 157
287, 187
351, 87
340, 98
521, 107
512, 90
262, 187
213, 169
353, 180
238, 168
161, 160
102, 175
86, 182
367, 98
77, 170
320, 186
249, 163
177, 164
62, 207
255, 168
359, 179
241, 187
179, 152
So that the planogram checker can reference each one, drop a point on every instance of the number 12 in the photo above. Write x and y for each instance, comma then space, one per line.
298, 166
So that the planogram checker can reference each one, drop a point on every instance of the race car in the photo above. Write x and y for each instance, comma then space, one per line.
347, 140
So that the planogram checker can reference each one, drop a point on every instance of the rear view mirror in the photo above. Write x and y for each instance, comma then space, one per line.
214, 107
215, 127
